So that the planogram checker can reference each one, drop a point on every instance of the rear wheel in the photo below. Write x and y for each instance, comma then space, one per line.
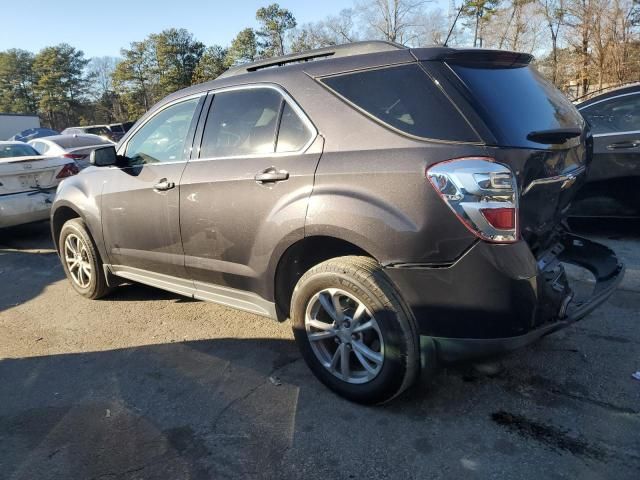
81, 260
354, 331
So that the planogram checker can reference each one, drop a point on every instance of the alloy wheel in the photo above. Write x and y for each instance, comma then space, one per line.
344, 336
76, 256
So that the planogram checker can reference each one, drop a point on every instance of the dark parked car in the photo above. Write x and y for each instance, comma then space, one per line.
613, 184
399, 205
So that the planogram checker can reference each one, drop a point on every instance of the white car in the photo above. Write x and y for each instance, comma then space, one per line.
28, 183
76, 147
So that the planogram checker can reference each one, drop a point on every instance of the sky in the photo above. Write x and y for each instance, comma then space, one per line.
103, 28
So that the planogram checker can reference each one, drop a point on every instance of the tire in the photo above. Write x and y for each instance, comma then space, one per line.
391, 337
87, 276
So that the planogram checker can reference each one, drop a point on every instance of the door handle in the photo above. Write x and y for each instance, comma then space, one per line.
164, 185
621, 145
271, 175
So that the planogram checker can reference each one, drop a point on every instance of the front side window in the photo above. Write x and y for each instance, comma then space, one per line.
242, 122
162, 139
617, 115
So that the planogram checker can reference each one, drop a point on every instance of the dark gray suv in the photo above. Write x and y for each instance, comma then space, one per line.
401, 206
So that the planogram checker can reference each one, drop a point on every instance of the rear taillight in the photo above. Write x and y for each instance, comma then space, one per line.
482, 193
68, 170
74, 156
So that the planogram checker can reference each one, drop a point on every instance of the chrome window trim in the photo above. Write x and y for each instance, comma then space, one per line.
611, 134
313, 131
608, 99
123, 148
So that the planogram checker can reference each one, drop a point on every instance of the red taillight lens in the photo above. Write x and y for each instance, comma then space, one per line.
68, 170
483, 195
74, 156
500, 218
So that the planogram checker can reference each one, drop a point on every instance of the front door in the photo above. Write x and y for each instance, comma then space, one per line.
246, 191
140, 200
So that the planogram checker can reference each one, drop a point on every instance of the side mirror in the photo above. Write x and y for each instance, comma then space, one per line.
103, 156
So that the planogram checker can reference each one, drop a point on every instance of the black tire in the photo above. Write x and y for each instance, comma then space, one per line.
363, 278
97, 285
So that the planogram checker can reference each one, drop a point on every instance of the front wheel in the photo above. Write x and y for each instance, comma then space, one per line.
81, 260
354, 331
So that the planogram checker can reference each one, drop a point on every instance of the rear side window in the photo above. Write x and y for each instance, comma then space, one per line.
242, 122
405, 98
514, 102
617, 115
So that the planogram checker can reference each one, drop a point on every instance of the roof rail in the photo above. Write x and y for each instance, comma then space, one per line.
334, 51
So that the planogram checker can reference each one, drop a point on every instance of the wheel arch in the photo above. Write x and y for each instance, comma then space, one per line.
300, 257
62, 214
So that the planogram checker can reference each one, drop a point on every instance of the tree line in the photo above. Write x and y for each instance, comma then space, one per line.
580, 45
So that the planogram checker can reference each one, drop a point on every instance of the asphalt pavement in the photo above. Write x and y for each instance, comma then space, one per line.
150, 385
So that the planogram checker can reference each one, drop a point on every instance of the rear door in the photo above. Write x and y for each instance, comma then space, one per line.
140, 198
246, 190
615, 172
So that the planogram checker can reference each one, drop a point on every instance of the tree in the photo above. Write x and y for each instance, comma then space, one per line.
16, 82
479, 13
211, 64
392, 20
155, 67
275, 23
61, 84
135, 78
243, 49
177, 56
553, 11
105, 101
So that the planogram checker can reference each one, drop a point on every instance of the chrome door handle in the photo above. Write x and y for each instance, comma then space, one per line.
164, 185
271, 175
621, 145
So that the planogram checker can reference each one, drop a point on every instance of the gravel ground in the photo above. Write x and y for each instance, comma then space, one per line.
147, 384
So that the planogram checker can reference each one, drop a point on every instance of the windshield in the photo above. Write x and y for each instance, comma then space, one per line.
514, 102
17, 150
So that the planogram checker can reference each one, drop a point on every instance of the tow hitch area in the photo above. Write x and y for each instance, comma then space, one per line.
601, 262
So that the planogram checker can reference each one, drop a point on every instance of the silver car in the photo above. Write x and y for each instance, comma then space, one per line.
76, 147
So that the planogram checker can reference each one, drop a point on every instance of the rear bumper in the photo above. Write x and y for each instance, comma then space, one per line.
25, 207
498, 298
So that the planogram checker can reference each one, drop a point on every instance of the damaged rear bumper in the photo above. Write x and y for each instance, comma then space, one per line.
499, 298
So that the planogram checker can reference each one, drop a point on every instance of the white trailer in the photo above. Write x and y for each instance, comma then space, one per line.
12, 123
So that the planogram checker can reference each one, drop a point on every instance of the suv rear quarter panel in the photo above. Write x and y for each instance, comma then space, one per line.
370, 186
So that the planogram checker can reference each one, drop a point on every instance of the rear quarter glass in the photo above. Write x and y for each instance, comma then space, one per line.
406, 99
514, 102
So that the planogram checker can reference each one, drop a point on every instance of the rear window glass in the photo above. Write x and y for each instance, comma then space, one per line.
514, 102
406, 99
17, 150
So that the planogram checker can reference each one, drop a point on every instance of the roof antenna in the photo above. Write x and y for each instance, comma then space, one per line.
454, 24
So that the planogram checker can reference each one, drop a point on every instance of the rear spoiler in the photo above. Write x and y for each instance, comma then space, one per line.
474, 57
